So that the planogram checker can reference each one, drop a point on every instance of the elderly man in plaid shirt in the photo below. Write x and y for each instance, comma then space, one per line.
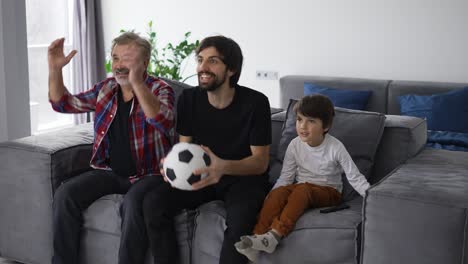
133, 127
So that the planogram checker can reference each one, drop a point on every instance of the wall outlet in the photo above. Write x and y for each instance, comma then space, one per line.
266, 75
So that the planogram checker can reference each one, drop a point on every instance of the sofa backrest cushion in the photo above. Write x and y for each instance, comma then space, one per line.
350, 99
450, 111
178, 87
418, 106
359, 131
398, 88
292, 87
442, 111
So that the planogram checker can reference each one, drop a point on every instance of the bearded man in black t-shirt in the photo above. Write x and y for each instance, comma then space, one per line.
233, 124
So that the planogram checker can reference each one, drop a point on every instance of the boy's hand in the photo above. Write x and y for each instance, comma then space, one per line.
214, 171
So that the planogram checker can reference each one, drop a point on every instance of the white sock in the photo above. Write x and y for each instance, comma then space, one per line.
247, 251
266, 242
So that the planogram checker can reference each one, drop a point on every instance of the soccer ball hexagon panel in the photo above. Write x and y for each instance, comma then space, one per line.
180, 163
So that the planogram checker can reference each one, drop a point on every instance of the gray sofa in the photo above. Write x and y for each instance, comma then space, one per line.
414, 213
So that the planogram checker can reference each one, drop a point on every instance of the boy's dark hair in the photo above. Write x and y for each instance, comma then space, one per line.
229, 50
316, 106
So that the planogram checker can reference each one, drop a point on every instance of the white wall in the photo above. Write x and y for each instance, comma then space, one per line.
398, 39
14, 85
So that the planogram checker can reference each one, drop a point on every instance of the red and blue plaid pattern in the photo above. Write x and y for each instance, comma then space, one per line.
150, 138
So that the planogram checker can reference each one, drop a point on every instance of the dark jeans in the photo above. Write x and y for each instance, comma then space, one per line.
77, 194
243, 199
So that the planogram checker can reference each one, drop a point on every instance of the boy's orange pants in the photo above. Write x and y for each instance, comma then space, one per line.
284, 205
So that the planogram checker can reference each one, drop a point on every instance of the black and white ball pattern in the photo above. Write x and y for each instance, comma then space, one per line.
182, 160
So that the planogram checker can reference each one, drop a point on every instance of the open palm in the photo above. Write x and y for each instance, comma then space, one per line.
56, 58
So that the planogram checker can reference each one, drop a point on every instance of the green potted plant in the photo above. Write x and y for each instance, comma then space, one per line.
166, 62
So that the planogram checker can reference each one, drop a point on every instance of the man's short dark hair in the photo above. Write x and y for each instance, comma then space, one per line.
316, 106
230, 52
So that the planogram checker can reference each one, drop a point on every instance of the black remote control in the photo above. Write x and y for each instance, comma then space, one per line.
334, 208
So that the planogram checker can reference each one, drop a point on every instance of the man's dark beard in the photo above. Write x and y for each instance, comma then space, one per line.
215, 85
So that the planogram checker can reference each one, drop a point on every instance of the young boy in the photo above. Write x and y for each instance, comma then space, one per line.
310, 178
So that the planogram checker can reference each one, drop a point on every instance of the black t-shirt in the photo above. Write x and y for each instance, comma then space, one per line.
120, 156
228, 132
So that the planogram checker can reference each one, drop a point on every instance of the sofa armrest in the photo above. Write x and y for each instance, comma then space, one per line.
30, 171
403, 138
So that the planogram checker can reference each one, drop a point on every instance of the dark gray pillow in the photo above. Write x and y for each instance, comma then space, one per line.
359, 131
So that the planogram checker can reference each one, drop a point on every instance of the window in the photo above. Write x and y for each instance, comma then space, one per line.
46, 20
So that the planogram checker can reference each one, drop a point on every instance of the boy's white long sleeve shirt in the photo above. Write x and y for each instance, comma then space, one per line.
321, 165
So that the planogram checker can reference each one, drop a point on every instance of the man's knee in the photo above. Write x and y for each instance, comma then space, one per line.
63, 196
156, 208
130, 205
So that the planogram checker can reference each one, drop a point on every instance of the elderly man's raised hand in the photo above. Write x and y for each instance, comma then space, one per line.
137, 70
56, 58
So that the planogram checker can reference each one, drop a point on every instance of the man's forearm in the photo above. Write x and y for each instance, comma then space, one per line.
248, 166
148, 101
56, 86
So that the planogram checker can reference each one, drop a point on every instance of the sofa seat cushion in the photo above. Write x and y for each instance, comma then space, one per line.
417, 214
442, 173
103, 215
348, 218
208, 232
321, 238
102, 223
316, 238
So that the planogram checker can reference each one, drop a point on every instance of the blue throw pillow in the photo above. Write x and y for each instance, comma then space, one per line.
443, 112
341, 98
418, 106
450, 111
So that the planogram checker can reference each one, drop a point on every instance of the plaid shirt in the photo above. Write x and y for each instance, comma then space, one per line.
150, 138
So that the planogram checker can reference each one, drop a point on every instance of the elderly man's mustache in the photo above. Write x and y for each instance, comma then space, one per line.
122, 71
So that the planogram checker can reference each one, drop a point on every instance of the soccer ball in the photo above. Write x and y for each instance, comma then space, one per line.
182, 160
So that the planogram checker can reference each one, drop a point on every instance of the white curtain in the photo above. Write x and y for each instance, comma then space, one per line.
88, 65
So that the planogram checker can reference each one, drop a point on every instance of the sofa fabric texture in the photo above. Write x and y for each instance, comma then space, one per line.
292, 87
350, 99
417, 214
414, 213
31, 169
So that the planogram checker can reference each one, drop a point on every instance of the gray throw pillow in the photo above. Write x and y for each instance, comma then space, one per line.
359, 131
